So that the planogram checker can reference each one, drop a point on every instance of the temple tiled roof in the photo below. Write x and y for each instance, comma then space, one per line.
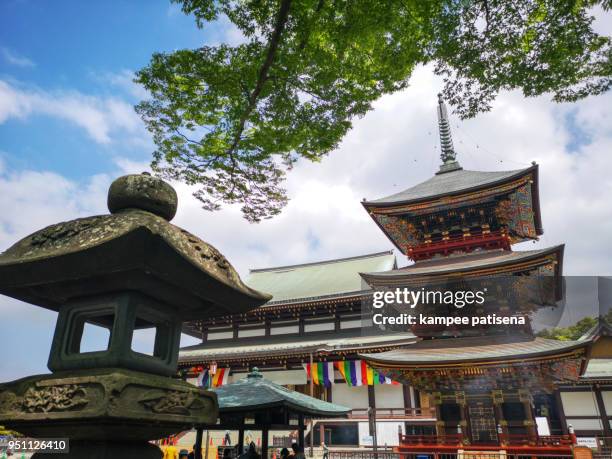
449, 183
296, 345
318, 280
473, 350
465, 262
257, 393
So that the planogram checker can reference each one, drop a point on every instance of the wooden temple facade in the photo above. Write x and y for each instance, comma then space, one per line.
455, 388
315, 317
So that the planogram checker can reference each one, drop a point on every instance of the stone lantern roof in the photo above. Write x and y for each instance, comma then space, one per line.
135, 248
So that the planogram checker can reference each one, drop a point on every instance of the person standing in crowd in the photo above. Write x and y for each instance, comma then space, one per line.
325, 450
171, 452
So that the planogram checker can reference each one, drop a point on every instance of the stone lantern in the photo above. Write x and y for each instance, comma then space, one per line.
126, 271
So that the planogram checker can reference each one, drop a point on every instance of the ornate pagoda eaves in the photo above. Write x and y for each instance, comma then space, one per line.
452, 183
474, 264
453, 352
297, 347
514, 194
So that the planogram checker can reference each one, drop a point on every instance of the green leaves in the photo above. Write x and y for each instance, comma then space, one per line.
232, 120
575, 331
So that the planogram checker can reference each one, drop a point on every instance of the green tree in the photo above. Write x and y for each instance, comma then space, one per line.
232, 120
575, 331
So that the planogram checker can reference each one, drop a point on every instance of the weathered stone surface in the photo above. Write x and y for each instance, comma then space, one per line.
97, 405
142, 191
107, 245
84, 233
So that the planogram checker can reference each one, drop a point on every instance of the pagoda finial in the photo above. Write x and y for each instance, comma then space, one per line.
448, 155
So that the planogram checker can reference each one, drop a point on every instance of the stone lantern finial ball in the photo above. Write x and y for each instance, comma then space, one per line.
144, 192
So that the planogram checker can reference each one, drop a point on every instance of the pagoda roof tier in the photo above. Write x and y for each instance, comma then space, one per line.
478, 263
448, 203
294, 347
320, 280
451, 183
474, 351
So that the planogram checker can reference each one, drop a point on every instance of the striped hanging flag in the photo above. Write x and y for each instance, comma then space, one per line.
358, 373
344, 371
351, 372
322, 373
203, 379
220, 377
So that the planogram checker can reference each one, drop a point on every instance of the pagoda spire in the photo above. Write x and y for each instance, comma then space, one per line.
447, 154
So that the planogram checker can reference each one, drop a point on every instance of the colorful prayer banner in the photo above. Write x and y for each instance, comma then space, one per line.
220, 377
203, 379
322, 373
358, 373
207, 380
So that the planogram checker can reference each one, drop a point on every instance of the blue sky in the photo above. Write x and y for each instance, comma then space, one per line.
68, 128
79, 56
87, 48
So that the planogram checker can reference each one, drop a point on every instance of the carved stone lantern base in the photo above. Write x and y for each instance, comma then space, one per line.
105, 413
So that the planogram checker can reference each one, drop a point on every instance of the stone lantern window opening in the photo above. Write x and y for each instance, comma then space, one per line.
91, 334
126, 315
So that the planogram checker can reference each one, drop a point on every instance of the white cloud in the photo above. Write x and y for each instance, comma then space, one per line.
101, 118
393, 147
15, 59
124, 80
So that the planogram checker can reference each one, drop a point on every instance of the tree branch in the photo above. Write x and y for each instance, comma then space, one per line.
281, 21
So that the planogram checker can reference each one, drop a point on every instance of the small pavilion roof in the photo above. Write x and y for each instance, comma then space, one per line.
229, 351
473, 350
465, 263
323, 279
448, 183
255, 393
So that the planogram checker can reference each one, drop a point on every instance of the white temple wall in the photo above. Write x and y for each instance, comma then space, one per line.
389, 396
315, 326
353, 397
584, 424
579, 404
284, 328
283, 377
